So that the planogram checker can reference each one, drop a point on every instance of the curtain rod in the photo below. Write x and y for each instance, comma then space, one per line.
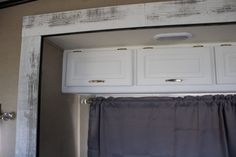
87, 99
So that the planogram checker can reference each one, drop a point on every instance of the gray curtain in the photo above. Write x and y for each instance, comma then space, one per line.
203, 126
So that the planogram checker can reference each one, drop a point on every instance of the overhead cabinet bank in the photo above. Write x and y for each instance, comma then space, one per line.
150, 69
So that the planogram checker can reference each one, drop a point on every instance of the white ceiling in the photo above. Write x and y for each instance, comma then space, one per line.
201, 34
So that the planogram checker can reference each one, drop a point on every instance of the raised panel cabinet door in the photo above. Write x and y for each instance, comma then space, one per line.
226, 64
175, 66
99, 68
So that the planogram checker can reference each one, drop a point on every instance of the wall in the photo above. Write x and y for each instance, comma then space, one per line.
10, 37
84, 119
59, 112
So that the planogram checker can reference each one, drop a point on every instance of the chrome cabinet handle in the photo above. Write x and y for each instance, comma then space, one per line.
8, 116
174, 80
96, 81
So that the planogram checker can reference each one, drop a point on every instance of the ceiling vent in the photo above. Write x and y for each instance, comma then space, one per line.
173, 36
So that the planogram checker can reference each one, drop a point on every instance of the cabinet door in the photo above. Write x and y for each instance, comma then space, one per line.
172, 66
226, 64
99, 68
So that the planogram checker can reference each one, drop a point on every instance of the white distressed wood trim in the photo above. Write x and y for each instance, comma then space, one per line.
27, 102
94, 19
190, 12
181, 12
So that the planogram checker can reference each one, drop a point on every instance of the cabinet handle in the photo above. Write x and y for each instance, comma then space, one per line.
174, 80
226, 45
96, 81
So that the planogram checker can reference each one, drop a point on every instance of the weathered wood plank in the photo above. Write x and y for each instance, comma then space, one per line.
27, 102
190, 12
180, 12
85, 20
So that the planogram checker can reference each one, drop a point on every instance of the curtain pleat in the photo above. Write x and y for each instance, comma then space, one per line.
201, 126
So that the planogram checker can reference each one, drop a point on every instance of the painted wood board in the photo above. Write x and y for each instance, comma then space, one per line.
93, 19
190, 12
153, 89
168, 13
27, 102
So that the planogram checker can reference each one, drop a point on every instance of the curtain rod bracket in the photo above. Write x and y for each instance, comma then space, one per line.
86, 99
7, 115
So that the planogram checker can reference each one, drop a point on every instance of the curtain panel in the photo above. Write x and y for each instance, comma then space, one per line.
201, 126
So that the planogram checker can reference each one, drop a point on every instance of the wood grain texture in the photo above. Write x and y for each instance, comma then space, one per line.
190, 12
114, 17
27, 102
167, 13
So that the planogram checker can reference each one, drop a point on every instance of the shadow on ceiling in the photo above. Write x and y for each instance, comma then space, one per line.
9, 3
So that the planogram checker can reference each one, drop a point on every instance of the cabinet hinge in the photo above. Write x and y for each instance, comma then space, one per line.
122, 48
75, 51
226, 45
150, 47
198, 46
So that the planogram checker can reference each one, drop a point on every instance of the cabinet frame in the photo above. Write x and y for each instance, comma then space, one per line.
207, 88
224, 72
127, 72
203, 77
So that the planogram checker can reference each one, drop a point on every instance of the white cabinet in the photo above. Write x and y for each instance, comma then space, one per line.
98, 68
175, 66
162, 69
226, 64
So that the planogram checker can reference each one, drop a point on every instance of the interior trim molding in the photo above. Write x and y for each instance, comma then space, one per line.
169, 13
